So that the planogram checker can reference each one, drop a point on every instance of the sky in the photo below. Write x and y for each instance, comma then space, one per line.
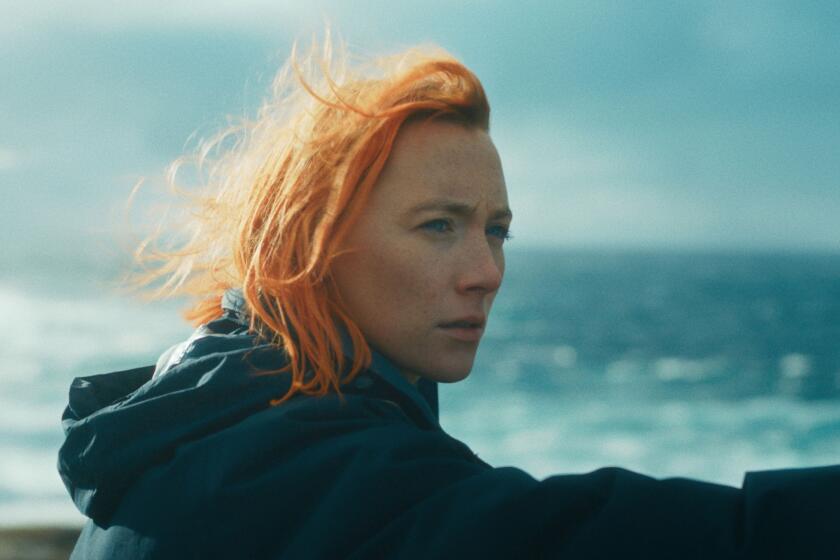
621, 125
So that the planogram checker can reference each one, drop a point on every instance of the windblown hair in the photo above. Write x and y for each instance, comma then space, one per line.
276, 196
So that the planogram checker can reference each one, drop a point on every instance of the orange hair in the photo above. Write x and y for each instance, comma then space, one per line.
281, 192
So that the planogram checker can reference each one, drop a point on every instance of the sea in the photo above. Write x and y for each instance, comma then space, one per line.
694, 364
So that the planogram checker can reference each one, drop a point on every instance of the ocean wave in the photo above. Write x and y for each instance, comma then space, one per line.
711, 440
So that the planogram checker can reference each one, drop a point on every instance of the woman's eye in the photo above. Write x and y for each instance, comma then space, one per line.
501, 232
440, 226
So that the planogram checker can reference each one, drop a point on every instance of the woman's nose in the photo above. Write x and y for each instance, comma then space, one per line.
481, 267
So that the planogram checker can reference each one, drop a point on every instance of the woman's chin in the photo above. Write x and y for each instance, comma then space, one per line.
451, 370
448, 375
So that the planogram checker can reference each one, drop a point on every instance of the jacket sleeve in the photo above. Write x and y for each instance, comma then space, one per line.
424, 498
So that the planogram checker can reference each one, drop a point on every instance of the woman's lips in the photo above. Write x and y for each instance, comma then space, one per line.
466, 334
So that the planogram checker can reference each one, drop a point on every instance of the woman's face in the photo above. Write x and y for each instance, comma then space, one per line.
427, 251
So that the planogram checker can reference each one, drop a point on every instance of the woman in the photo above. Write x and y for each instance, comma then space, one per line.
345, 255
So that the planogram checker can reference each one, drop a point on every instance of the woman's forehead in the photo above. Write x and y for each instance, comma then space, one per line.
444, 143
443, 161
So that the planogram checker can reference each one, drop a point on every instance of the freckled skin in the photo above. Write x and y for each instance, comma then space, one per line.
406, 273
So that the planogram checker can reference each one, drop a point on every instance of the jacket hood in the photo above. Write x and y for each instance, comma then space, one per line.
120, 424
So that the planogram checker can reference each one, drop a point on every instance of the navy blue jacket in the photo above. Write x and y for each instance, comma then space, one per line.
194, 463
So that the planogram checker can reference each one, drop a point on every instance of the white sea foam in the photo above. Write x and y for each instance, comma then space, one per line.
30, 472
564, 356
46, 331
532, 441
21, 416
623, 370
40, 512
671, 368
794, 366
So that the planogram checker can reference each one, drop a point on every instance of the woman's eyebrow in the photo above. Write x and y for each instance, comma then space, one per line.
455, 207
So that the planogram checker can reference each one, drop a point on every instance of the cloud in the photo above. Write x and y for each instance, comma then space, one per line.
761, 39
98, 14
9, 159
711, 122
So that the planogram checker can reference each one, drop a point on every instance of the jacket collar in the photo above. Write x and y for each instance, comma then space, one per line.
423, 397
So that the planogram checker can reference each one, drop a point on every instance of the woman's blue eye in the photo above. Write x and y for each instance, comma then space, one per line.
437, 225
501, 232
444, 226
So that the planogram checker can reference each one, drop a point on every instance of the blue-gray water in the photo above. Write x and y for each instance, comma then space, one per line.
700, 365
